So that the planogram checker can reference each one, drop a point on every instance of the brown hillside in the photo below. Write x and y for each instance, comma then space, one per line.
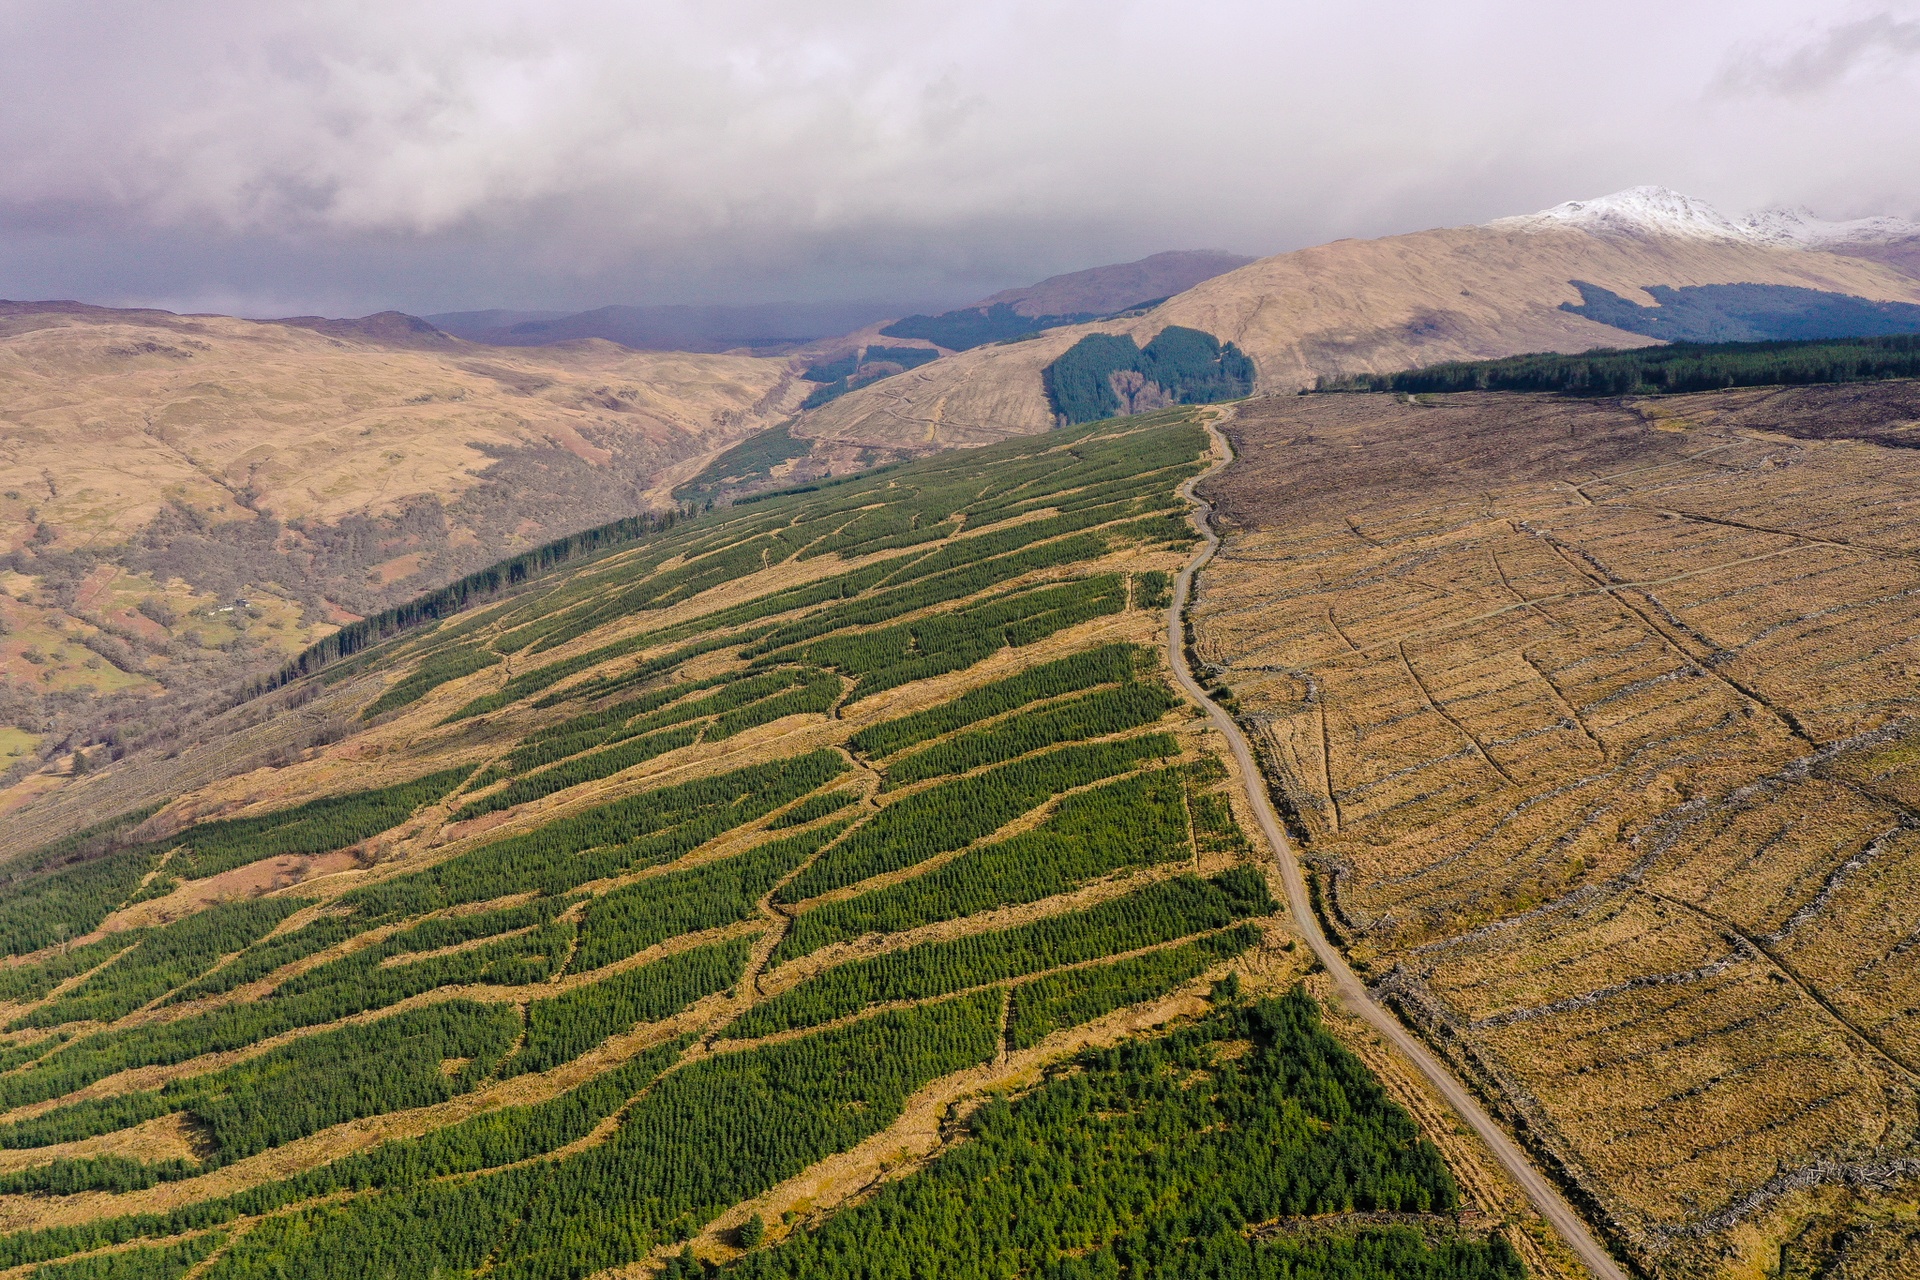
1901, 255
1597, 722
1348, 307
154, 467
111, 417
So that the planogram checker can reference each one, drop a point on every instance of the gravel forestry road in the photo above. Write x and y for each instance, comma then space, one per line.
1351, 991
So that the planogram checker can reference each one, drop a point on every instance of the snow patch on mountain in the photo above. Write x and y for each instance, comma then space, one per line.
1635, 212
1643, 212
1799, 228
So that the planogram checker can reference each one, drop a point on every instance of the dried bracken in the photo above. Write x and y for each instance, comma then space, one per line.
1609, 760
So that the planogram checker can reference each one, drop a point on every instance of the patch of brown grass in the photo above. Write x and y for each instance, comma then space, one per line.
1601, 733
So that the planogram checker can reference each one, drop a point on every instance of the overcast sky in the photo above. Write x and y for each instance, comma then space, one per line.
342, 157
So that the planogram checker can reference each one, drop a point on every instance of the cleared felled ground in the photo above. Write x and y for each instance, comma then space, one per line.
670, 904
1597, 724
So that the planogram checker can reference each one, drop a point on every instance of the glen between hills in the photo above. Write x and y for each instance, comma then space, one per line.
828, 886
1597, 719
185, 501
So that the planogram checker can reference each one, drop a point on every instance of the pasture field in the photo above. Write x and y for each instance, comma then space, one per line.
1596, 723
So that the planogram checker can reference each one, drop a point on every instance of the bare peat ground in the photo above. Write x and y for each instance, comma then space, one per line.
1596, 723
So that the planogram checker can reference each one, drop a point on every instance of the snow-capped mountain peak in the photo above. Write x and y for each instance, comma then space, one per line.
1635, 212
1642, 212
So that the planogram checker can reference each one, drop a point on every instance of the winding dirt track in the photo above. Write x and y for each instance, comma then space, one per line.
1348, 987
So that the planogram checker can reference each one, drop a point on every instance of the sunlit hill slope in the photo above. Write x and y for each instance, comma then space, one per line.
185, 499
649, 914
1361, 306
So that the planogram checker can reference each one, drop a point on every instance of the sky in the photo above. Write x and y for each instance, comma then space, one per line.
340, 157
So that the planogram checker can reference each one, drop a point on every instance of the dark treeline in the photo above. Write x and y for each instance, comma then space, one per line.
859, 368
67, 889
705, 1137
1744, 313
1134, 822
953, 814
1146, 917
971, 327
1180, 366
476, 587
1109, 664
1671, 370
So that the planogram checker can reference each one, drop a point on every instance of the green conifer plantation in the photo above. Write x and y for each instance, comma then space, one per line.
693, 863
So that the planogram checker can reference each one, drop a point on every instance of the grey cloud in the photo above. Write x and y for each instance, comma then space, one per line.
345, 155
1826, 61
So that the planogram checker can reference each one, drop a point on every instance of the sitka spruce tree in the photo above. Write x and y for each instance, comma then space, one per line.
671, 879
1180, 366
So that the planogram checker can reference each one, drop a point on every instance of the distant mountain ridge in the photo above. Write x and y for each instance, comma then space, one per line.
1124, 284
1061, 299
387, 328
1640, 212
1074, 298
1461, 293
707, 329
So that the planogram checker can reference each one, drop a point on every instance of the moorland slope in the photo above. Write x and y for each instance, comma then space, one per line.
704, 904
1366, 306
1597, 722
155, 467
